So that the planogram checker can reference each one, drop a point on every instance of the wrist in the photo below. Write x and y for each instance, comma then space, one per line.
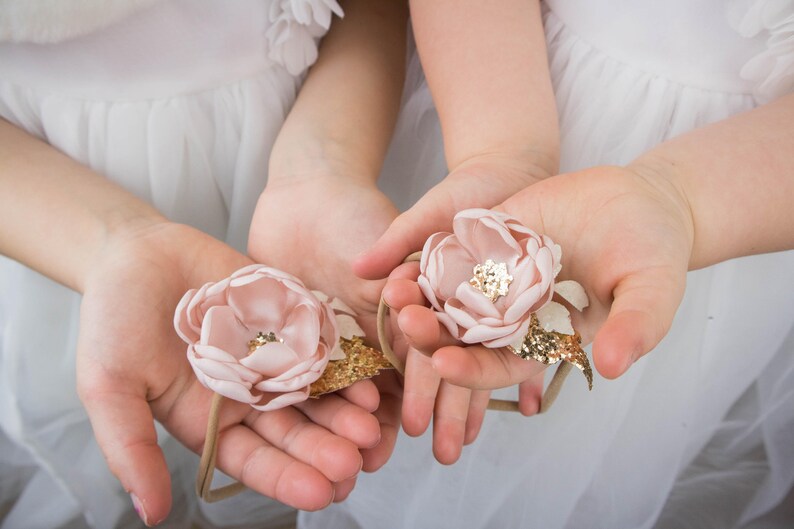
309, 154
526, 165
662, 177
122, 228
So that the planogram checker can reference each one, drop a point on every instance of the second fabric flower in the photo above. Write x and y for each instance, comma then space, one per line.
489, 276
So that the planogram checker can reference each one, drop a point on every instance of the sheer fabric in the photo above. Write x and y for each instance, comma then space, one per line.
698, 434
179, 102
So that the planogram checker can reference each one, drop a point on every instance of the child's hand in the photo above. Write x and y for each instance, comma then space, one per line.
483, 181
132, 369
312, 227
626, 236
457, 412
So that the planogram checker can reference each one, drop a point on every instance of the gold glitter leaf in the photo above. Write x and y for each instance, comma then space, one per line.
361, 362
551, 347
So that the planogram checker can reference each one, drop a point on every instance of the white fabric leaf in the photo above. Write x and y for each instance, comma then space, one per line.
573, 293
555, 317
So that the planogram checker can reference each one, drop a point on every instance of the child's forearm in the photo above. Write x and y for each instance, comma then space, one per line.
346, 110
738, 177
56, 213
487, 69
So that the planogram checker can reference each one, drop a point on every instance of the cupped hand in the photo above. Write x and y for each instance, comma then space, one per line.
457, 412
132, 369
480, 182
626, 236
313, 227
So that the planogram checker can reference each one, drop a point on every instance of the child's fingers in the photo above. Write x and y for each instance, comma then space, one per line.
270, 471
409, 270
640, 317
407, 234
400, 293
388, 414
363, 394
478, 404
478, 367
343, 418
305, 439
422, 330
449, 422
530, 393
343, 489
124, 428
420, 388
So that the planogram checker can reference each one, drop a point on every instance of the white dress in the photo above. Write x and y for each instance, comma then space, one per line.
698, 434
178, 101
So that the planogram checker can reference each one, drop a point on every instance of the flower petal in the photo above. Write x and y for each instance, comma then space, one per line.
475, 303
276, 401
223, 330
487, 238
232, 390
261, 304
485, 333
517, 336
301, 330
272, 359
302, 377
189, 333
220, 371
213, 353
459, 314
449, 323
524, 304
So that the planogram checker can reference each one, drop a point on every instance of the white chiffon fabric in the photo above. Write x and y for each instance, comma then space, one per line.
698, 434
179, 102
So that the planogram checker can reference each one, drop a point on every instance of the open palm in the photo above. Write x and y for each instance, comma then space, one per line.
627, 238
132, 369
313, 228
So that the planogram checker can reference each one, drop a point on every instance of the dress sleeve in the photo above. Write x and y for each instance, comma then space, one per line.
296, 27
772, 70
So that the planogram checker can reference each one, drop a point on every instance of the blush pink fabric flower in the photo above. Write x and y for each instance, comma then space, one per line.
487, 278
259, 337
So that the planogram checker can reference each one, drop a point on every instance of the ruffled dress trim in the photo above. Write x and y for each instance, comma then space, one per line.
772, 70
295, 29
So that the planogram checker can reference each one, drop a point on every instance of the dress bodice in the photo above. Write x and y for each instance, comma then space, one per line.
174, 47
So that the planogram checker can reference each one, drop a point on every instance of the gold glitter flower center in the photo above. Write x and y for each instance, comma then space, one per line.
262, 339
491, 279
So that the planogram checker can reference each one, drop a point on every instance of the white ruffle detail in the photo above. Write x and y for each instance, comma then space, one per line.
296, 26
48, 21
772, 71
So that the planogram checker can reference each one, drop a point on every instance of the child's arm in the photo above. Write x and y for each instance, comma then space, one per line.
321, 206
737, 177
629, 235
487, 70
133, 266
344, 115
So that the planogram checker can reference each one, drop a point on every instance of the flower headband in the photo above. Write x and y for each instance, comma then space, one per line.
262, 338
492, 282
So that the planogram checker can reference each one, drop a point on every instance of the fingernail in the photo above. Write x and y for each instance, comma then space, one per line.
139, 509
